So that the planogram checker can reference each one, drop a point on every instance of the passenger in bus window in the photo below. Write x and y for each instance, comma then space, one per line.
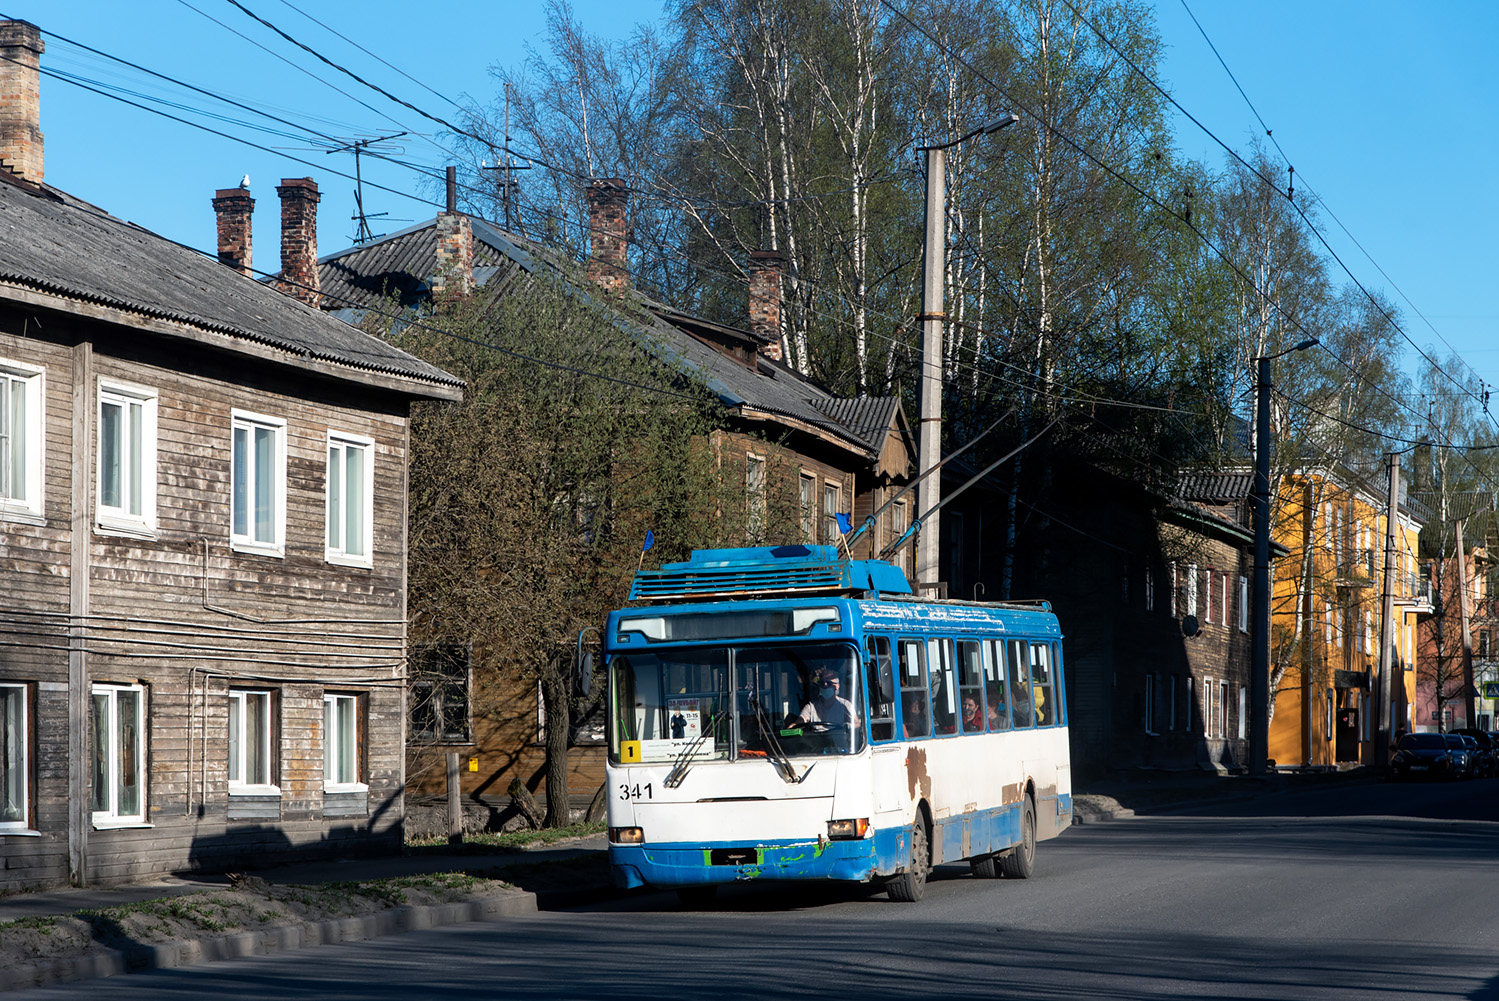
915, 719
999, 710
973, 719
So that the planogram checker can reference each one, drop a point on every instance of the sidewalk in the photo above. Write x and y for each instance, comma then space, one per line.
52, 944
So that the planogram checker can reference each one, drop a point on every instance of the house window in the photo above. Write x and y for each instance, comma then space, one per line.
754, 486
1222, 707
807, 500
1149, 589
1171, 705
127, 458
258, 483
1327, 720
1243, 712
1208, 716
350, 500
119, 781
251, 741
341, 742
20, 439
15, 758
1150, 704
1223, 597
1187, 706
1175, 599
832, 496
1191, 589
1207, 597
1243, 604
441, 679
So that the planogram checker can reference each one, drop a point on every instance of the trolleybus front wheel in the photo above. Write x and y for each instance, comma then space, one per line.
1021, 861
911, 884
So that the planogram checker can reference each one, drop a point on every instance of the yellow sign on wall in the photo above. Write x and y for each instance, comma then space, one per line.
473, 764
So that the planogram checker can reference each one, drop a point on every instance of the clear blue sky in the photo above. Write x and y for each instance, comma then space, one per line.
1386, 110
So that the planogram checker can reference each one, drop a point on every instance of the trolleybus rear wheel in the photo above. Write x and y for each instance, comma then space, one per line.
985, 868
1021, 861
911, 884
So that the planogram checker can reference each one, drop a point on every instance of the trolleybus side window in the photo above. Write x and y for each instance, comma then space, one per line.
1022, 710
944, 686
1041, 684
970, 687
916, 720
880, 683
995, 698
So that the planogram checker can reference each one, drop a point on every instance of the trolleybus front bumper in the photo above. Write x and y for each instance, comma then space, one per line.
668, 865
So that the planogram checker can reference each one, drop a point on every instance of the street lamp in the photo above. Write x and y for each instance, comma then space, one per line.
929, 442
1259, 605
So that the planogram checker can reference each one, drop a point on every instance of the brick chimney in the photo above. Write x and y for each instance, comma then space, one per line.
233, 207
454, 273
765, 300
21, 99
299, 277
608, 200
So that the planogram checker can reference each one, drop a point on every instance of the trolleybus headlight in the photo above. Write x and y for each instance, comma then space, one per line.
626, 835
847, 829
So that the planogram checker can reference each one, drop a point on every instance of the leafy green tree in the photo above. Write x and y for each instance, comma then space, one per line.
531, 498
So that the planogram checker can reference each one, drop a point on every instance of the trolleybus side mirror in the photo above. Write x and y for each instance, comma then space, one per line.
584, 661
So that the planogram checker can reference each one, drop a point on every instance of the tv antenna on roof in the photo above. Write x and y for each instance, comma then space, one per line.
358, 146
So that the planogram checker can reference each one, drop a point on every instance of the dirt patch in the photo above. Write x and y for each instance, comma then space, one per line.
251, 905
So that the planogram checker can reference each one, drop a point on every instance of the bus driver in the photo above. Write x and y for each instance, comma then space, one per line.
829, 707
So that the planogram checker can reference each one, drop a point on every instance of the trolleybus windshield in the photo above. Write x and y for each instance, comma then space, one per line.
790, 700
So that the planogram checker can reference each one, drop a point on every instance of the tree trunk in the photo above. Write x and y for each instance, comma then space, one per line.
555, 691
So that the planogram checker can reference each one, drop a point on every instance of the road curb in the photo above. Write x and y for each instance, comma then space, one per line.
191, 952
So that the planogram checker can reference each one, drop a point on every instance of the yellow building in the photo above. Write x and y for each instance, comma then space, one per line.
1326, 616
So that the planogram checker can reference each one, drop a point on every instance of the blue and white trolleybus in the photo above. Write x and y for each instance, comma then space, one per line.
784, 713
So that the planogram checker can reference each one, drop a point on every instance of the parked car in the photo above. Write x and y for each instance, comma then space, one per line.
1486, 755
1460, 754
1422, 755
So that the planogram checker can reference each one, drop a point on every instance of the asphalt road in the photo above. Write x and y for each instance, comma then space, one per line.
1368, 891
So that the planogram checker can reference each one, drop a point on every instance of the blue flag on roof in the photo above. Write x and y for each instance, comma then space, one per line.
650, 540
844, 524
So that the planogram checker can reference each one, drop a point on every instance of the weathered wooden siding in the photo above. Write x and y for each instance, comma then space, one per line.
188, 618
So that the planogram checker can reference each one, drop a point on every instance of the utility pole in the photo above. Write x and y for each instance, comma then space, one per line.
934, 277
1462, 604
1387, 624
929, 441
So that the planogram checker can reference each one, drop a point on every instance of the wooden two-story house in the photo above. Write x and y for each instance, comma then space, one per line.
202, 543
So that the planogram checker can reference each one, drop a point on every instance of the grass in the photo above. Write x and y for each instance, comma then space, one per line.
513, 839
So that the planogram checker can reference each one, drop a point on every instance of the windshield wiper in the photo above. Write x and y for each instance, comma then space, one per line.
774, 751
683, 763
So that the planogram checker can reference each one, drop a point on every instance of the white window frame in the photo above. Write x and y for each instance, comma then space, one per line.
1207, 597
1222, 710
111, 816
1192, 589
138, 458
336, 755
336, 549
1223, 597
1174, 598
832, 503
806, 496
1243, 604
238, 757
15, 754
1243, 712
1187, 706
1208, 716
23, 504
242, 420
